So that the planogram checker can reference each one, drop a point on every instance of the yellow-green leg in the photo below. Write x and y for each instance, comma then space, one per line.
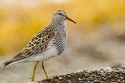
35, 66
44, 70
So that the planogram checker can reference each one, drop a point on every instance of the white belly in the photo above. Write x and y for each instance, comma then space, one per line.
49, 53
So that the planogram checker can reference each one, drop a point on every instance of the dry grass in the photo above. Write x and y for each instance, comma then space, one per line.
20, 21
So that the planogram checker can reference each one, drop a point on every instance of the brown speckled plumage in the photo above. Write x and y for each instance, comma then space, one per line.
37, 44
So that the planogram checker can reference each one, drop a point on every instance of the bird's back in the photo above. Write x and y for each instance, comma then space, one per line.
36, 45
52, 35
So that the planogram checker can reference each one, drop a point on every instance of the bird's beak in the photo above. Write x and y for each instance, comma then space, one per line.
70, 19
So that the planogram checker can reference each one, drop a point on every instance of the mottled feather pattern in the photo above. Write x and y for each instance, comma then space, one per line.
60, 42
37, 44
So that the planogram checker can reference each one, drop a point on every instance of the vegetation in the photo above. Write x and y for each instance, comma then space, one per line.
19, 21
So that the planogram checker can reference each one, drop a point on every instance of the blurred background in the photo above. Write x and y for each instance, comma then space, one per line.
97, 40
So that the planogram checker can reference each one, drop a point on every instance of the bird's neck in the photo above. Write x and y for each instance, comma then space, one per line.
60, 25
58, 22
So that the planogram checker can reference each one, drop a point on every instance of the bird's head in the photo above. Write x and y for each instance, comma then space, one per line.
61, 15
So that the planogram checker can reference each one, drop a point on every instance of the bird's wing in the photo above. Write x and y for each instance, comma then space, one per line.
37, 44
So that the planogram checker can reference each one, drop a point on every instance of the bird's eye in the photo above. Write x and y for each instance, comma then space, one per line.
59, 13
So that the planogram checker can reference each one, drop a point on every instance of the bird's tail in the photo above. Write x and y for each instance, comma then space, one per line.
7, 63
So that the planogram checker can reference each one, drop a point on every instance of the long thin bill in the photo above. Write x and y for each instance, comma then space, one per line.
70, 19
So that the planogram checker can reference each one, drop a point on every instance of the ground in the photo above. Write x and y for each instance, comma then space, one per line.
104, 75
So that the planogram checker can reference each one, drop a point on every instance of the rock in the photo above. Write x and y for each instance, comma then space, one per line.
104, 75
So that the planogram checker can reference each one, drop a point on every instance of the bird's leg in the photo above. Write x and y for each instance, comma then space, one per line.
35, 66
44, 70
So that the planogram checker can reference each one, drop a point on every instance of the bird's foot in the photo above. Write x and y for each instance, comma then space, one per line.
32, 80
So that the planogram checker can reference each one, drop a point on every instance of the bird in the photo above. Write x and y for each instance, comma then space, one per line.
47, 43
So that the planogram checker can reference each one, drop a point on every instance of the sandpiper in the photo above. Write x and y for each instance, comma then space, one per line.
47, 43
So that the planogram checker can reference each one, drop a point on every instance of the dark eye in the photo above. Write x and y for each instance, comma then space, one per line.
60, 14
